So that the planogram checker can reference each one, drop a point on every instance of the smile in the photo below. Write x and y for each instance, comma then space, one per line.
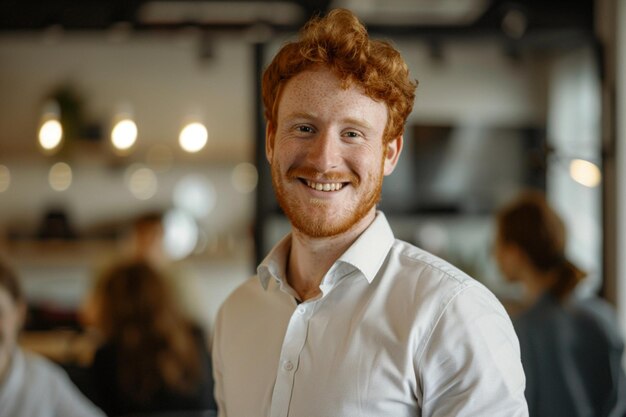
333, 186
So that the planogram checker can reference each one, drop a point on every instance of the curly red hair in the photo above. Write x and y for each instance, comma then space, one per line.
340, 42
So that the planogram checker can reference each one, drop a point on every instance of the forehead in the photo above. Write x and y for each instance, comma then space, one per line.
320, 92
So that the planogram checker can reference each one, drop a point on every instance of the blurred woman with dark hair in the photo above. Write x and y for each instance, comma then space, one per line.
30, 385
571, 348
153, 359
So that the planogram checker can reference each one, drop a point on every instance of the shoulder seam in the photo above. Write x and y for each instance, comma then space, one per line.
436, 264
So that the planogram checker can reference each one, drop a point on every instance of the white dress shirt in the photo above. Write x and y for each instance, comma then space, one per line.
396, 332
36, 387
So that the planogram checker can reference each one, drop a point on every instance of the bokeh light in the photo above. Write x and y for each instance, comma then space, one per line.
60, 176
50, 134
585, 173
124, 134
195, 194
141, 182
193, 137
181, 234
245, 177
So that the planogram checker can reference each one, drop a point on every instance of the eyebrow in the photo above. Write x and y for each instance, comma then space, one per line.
349, 120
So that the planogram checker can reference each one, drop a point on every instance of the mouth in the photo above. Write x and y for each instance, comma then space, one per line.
325, 186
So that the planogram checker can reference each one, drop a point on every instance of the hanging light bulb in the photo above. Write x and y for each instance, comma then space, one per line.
51, 130
124, 132
193, 137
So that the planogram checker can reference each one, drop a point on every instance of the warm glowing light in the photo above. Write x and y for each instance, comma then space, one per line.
585, 173
193, 137
142, 182
5, 178
124, 134
245, 177
60, 176
50, 134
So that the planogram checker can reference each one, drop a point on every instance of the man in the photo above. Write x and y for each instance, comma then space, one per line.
342, 319
31, 385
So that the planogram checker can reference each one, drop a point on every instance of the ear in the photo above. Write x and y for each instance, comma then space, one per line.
269, 141
393, 148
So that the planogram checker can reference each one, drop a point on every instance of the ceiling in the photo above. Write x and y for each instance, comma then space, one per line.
513, 18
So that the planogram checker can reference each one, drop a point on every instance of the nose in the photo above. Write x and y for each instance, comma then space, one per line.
324, 152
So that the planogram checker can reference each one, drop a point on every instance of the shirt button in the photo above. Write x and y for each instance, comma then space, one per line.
288, 366
301, 310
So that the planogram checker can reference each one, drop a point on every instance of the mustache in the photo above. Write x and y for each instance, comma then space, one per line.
330, 176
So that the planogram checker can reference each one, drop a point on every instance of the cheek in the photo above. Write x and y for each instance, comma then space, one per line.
367, 160
286, 154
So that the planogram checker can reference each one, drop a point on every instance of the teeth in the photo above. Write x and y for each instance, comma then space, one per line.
325, 187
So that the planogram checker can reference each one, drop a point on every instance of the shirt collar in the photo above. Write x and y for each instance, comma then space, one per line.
366, 254
369, 251
275, 263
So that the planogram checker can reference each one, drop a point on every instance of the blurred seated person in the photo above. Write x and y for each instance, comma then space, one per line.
571, 348
30, 385
144, 242
147, 243
146, 239
152, 358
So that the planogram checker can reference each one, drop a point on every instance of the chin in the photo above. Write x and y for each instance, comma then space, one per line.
320, 227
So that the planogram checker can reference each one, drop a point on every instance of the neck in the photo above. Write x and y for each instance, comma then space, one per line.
310, 258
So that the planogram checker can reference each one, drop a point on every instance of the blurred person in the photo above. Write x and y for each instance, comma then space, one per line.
147, 243
571, 347
343, 319
146, 239
30, 385
144, 242
152, 358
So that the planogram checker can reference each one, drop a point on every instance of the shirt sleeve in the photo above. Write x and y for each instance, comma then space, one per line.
471, 364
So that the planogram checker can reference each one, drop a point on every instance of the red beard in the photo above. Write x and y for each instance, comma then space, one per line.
320, 218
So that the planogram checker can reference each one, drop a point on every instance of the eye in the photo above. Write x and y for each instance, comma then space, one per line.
303, 130
352, 134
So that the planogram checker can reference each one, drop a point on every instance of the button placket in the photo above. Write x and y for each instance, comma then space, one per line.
293, 343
